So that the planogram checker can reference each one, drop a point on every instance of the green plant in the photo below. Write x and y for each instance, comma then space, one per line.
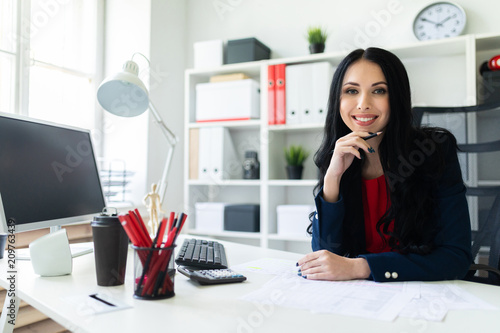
316, 35
295, 155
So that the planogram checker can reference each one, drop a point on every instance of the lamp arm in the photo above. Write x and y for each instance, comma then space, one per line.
172, 140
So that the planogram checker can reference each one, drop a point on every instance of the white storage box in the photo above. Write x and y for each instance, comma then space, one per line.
293, 220
208, 53
230, 100
209, 216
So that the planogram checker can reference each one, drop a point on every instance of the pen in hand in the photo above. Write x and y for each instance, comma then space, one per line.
372, 135
368, 137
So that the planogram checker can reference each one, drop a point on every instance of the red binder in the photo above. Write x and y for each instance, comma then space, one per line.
271, 95
280, 94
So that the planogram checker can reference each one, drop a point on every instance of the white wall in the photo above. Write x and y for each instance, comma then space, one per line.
168, 21
280, 24
127, 30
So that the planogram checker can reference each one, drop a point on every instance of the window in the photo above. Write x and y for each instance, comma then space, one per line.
48, 62
7, 55
51, 64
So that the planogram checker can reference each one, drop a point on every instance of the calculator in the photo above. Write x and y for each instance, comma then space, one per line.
211, 276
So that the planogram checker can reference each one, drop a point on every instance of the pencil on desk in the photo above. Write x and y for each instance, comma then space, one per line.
128, 228
141, 227
150, 255
163, 226
170, 221
142, 235
163, 275
158, 279
131, 233
183, 220
154, 254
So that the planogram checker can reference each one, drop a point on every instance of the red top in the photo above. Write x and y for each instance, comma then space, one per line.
375, 204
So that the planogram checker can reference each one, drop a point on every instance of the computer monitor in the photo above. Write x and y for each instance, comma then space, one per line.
48, 174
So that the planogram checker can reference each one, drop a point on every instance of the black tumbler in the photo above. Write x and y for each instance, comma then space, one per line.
110, 249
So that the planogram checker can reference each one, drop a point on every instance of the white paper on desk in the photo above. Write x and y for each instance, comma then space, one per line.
437, 299
268, 266
86, 305
365, 299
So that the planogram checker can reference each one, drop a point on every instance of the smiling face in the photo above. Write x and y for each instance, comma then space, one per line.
364, 99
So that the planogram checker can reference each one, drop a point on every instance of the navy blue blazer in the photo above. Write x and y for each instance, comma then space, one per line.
451, 256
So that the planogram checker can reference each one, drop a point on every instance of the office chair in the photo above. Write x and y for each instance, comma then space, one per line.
488, 233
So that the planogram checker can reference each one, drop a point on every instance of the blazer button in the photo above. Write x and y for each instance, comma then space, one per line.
387, 275
394, 275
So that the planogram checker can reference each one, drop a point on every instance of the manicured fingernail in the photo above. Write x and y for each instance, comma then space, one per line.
296, 264
304, 276
300, 270
371, 150
299, 273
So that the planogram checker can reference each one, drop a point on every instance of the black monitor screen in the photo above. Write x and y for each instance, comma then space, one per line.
47, 172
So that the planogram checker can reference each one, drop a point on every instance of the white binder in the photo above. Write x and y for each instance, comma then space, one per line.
218, 159
204, 154
308, 87
292, 75
322, 77
306, 93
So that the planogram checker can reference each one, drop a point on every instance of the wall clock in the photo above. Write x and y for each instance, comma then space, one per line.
439, 20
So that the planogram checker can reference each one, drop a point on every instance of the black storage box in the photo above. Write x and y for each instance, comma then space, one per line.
242, 218
490, 90
247, 49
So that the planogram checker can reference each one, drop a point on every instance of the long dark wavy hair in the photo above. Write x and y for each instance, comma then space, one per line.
411, 183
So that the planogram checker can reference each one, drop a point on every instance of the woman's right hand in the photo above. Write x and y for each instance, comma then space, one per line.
346, 149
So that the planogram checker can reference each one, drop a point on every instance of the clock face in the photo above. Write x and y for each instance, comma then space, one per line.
439, 20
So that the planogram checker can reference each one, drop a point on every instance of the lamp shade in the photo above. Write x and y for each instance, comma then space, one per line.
124, 94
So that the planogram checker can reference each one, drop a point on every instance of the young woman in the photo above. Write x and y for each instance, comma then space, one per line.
389, 206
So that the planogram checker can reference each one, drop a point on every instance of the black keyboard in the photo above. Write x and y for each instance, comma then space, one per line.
201, 254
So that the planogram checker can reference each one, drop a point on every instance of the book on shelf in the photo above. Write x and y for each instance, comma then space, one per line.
228, 77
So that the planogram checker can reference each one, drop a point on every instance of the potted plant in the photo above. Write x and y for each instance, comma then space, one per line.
316, 36
295, 157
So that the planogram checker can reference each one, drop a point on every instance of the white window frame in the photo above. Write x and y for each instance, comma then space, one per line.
23, 61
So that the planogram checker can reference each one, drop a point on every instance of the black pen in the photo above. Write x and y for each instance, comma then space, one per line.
94, 296
368, 137
372, 135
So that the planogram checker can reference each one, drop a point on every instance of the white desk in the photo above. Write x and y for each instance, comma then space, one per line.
217, 308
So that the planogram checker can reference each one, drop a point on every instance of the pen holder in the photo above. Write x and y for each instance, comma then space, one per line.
154, 272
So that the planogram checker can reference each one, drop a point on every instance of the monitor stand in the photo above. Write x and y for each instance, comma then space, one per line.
77, 249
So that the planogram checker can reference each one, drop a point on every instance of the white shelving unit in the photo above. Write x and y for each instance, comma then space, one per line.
442, 73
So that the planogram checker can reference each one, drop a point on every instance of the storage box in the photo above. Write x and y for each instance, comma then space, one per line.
209, 216
248, 49
231, 100
208, 54
242, 218
293, 220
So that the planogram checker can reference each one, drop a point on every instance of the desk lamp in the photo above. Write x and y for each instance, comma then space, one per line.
125, 95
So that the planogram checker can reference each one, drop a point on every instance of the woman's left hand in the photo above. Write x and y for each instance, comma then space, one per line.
325, 265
